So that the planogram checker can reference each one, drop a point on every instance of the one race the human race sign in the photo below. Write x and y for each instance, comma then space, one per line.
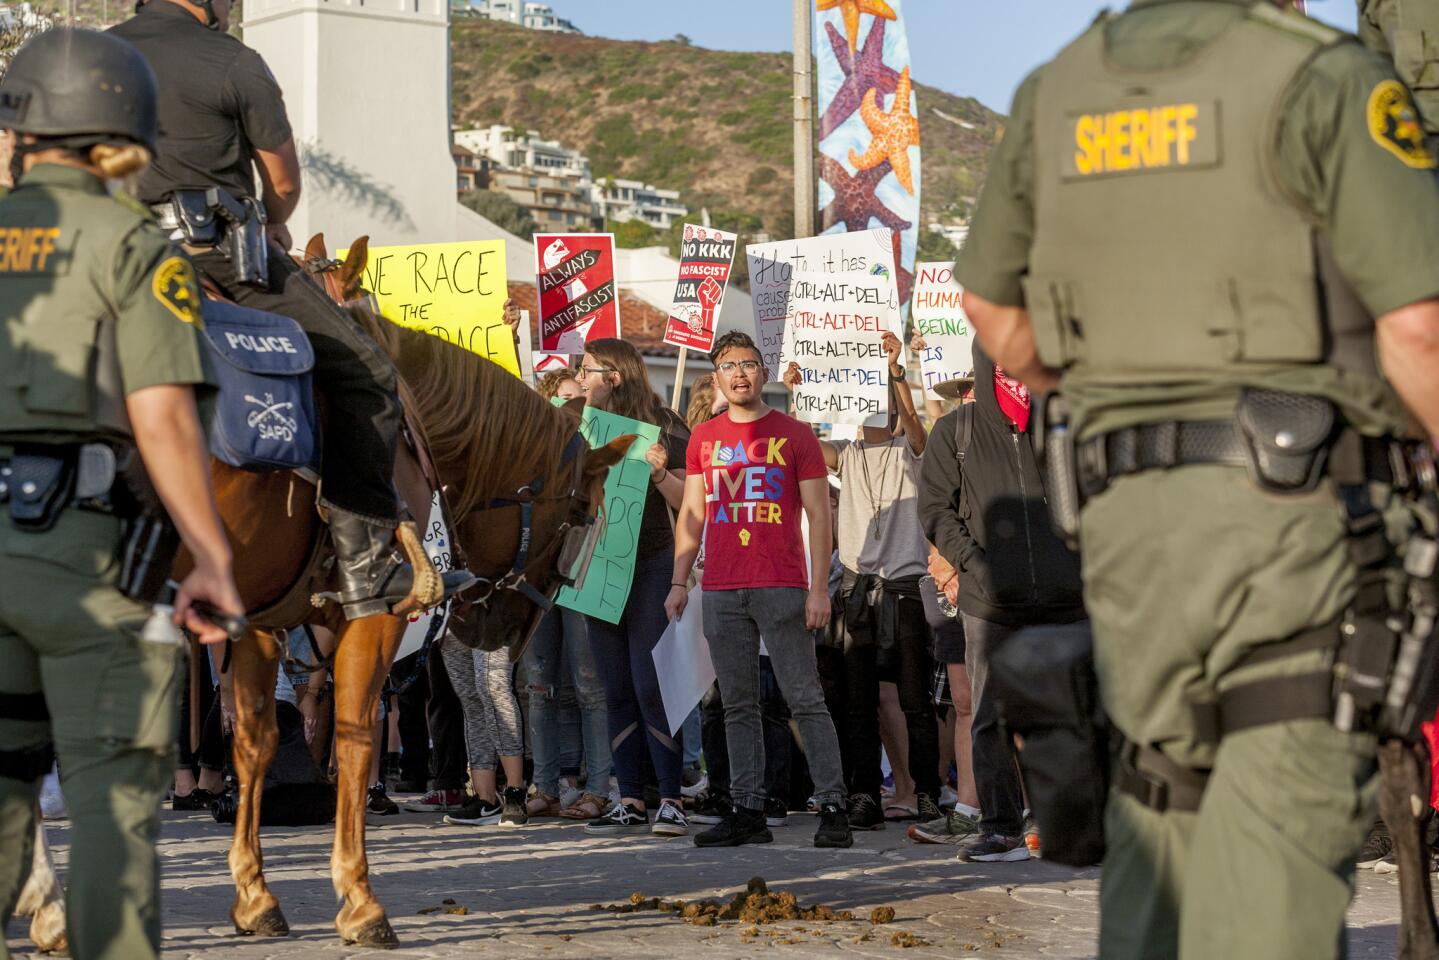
454, 291
579, 301
706, 256
940, 320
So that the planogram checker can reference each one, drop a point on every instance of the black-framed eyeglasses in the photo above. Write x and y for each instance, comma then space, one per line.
728, 368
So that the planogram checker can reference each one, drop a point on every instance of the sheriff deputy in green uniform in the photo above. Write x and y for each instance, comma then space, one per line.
98, 354
1197, 213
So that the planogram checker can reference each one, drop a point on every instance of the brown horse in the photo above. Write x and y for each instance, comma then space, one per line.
495, 445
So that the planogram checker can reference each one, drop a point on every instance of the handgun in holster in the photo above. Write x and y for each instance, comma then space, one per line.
244, 242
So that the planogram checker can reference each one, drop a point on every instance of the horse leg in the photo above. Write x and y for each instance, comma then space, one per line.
253, 663
42, 899
362, 659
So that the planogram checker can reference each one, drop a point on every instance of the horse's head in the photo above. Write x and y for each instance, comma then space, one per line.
519, 479
525, 545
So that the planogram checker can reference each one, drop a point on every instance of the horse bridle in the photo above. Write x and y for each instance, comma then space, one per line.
516, 579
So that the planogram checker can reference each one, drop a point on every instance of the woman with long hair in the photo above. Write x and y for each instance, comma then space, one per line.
613, 378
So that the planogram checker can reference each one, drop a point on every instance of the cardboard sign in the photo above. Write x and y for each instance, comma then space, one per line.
612, 571
706, 256
547, 362
575, 273
436, 541
771, 265
940, 320
835, 334
454, 291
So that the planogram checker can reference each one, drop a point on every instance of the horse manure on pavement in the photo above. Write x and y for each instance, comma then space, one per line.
756, 905
905, 939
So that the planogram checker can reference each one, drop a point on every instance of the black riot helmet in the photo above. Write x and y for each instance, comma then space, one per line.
80, 87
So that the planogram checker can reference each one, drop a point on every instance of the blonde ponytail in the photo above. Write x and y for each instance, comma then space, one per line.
118, 160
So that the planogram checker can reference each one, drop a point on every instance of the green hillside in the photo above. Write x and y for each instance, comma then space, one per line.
712, 124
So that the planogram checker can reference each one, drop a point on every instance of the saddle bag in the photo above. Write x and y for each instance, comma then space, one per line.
262, 363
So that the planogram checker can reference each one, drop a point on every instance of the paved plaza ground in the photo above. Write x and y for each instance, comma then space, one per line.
528, 893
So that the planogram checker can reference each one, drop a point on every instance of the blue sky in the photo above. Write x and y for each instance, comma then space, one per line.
979, 48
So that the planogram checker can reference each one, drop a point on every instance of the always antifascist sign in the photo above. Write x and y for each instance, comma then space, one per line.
575, 273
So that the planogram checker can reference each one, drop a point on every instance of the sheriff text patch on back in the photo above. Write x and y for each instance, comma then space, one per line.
32, 250
1167, 137
1394, 124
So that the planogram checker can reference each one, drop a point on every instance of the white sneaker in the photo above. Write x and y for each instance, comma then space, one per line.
52, 801
698, 788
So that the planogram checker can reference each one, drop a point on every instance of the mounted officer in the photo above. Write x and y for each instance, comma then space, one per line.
1203, 218
98, 359
222, 119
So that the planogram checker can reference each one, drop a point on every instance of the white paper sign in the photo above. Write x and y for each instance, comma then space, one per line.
682, 663
772, 265
941, 321
436, 541
835, 331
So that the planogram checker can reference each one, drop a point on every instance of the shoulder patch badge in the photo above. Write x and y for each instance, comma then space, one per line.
1394, 124
175, 286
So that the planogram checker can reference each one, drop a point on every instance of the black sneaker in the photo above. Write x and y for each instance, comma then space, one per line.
928, 809
670, 821
834, 827
379, 804
741, 826
776, 813
475, 813
710, 810
197, 799
864, 813
1376, 848
513, 812
994, 848
622, 818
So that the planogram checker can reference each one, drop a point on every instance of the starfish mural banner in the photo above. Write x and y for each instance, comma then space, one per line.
868, 130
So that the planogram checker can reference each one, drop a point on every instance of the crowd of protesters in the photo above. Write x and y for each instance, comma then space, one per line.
852, 591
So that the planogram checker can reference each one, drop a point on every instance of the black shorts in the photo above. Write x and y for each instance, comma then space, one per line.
949, 642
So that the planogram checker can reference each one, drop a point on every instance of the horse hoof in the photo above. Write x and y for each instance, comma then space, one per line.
271, 923
377, 933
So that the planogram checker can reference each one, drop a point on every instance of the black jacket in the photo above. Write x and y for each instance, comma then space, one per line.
990, 521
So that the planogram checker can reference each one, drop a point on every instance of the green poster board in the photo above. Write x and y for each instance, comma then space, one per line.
607, 585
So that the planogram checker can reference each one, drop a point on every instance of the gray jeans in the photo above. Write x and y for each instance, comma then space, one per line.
734, 621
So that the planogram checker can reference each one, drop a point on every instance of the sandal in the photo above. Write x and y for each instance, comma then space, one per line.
900, 811
542, 804
588, 807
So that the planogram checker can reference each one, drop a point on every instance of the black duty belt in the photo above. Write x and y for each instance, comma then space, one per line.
1157, 446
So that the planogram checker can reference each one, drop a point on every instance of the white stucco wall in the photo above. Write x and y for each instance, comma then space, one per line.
366, 86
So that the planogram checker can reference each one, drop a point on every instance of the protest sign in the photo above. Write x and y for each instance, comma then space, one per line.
706, 256
575, 273
834, 333
454, 291
941, 321
436, 542
548, 362
682, 663
771, 266
607, 585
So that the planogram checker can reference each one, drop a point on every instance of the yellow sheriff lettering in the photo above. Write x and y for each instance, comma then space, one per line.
1145, 139
27, 249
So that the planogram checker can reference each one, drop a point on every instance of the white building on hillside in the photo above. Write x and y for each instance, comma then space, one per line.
535, 16
515, 151
625, 200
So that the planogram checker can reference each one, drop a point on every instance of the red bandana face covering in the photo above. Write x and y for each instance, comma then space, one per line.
1013, 398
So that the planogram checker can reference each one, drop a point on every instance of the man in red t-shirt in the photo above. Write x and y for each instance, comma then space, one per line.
750, 473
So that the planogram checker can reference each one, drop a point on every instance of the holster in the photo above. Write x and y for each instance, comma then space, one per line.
39, 485
1287, 436
1055, 451
1048, 694
215, 219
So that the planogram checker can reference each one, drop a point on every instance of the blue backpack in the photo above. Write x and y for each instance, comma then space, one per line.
264, 416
